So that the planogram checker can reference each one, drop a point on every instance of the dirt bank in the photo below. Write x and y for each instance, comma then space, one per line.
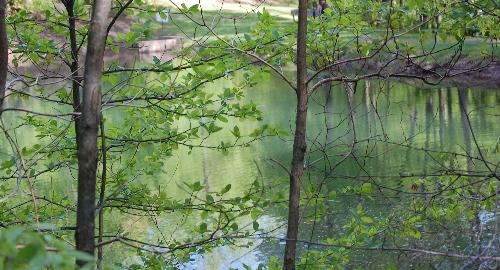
465, 71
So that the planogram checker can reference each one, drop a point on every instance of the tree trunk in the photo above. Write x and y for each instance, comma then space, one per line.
4, 53
74, 66
89, 125
299, 143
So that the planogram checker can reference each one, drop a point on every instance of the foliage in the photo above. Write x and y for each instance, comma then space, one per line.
26, 249
159, 107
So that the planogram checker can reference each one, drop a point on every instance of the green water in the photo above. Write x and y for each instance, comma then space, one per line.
386, 115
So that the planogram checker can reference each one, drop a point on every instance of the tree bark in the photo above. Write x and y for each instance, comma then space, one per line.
4, 53
74, 66
89, 124
299, 143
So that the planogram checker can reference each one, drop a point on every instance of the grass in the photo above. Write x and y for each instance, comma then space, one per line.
224, 23
239, 20
472, 46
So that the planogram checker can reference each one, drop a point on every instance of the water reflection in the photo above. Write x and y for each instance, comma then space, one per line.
429, 119
466, 128
396, 118
329, 112
390, 111
442, 114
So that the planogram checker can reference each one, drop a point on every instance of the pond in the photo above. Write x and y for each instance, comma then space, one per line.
393, 117
398, 126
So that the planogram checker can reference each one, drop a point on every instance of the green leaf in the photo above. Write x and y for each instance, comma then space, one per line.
156, 60
7, 164
254, 214
226, 189
366, 219
255, 225
193, 9
417, 235
212, 128
28, 252
366, 188
222, 118
196, 186
203, 227
236, 132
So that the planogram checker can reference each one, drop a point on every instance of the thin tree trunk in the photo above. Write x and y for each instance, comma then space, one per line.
4, 53
89, 123
102, 193
299, 143
74, 66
